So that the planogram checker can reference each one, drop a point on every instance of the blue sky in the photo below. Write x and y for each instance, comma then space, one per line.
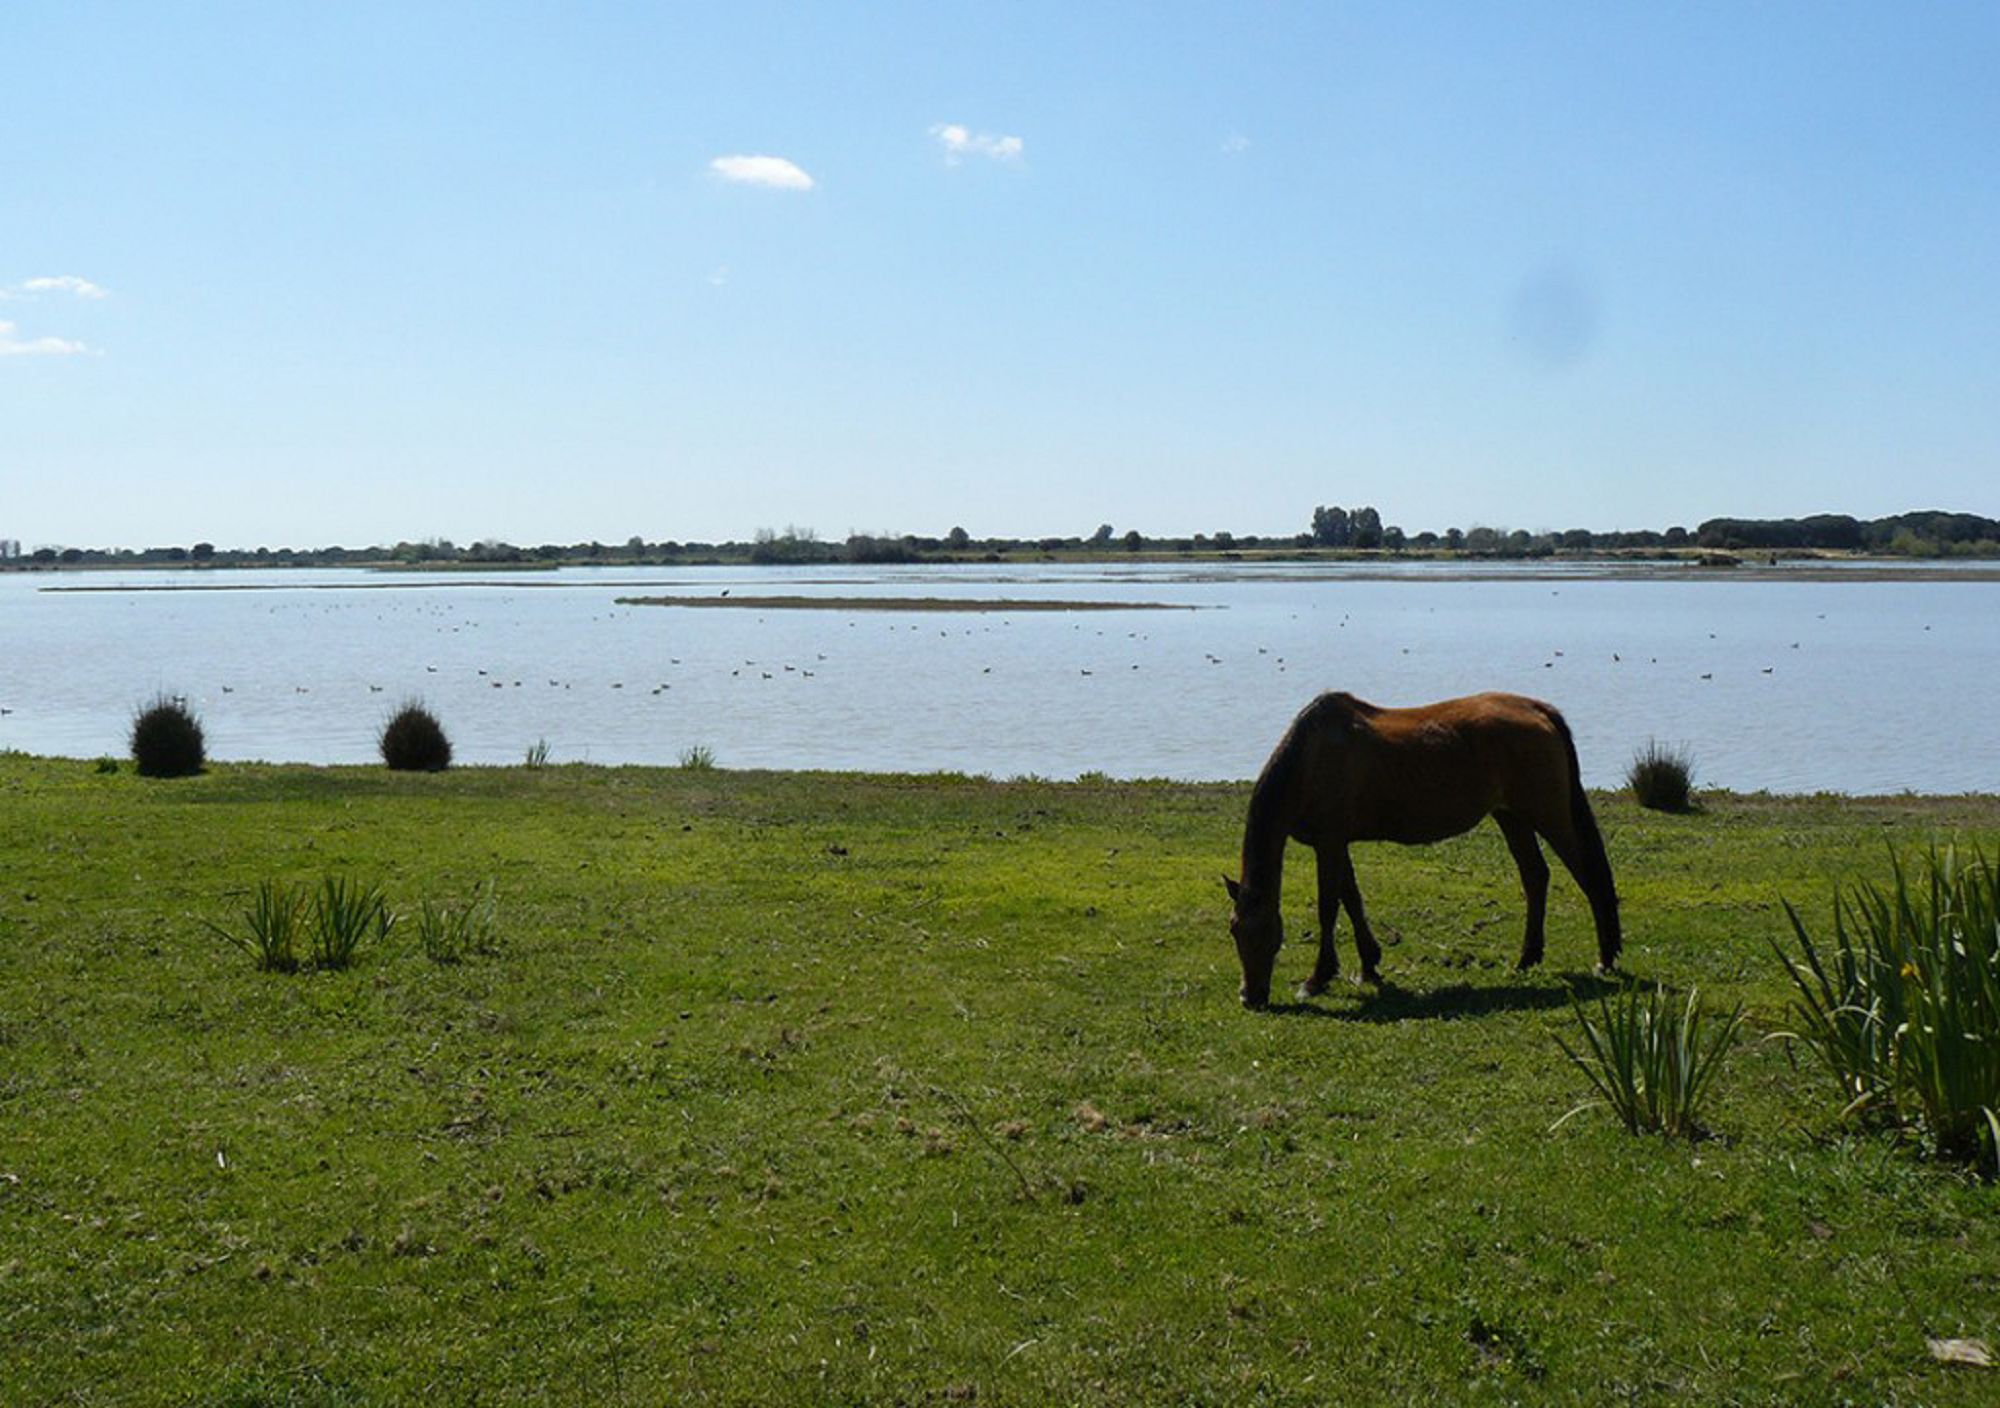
286, 273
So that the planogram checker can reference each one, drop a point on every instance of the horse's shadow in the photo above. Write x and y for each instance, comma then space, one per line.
1391, 1002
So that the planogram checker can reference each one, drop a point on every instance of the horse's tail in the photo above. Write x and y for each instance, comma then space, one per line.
1593, 863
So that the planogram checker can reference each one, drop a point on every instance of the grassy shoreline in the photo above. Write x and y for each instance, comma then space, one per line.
787, 1087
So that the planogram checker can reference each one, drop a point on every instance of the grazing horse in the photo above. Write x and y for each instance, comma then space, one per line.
1348, 771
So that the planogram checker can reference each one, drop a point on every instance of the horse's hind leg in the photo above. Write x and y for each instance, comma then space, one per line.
1584, 858
1534, 881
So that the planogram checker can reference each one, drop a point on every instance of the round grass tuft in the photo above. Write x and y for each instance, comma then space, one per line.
1662, 777
413, 741
166, 739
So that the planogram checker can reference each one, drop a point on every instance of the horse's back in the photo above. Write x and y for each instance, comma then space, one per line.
1435, 770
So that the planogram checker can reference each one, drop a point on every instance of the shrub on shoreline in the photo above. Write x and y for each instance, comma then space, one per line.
167, 739
1662, 777
414, 741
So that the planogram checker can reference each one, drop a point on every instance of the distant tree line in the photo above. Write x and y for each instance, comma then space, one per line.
1925, 533
1928, 533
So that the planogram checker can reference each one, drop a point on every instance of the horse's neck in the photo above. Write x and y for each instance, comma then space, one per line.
1264, 836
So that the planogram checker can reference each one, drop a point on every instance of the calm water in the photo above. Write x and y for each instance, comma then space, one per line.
1860, 687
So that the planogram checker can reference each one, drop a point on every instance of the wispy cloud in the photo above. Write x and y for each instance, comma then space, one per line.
1235, 142
13, 346
66, 283
960, 142
772, 171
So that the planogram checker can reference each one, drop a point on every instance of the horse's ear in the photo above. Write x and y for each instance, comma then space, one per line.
1235, 890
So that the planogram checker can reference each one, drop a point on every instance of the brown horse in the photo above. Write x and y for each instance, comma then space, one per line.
1349, 771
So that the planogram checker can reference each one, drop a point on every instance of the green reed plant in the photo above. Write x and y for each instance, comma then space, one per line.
449, 933
1651, 1060
1661, 777
345, 915
1903, 1005
270, 927
699, 758
537, 755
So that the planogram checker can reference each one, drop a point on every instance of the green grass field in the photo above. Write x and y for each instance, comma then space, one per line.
809, 1088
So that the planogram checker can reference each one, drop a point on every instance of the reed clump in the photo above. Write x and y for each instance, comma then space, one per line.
414, 741
1902, 1006
1651, 1060
167, 739
1662, 777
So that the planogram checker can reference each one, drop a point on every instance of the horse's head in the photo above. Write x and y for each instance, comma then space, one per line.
1259, 932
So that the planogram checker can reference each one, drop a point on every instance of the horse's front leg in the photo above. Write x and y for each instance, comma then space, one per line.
1332, 865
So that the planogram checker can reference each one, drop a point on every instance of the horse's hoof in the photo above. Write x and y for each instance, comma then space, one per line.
1369, 975
1310, 989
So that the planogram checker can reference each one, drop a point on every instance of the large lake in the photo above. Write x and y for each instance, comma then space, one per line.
1785, 682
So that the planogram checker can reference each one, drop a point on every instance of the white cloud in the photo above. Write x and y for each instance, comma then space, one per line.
959, 142
772, 171
1235, 142
66, 283
720, 276
12, 346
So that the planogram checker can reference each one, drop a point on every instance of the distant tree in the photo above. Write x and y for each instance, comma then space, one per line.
863, 547
1331, 527
44, 555
1102, 537
1393, 538
203, 552
1519, 541
72, 556
1677, 536
1483, 540
958, 540
1454, 539
1367, 528
1224, 540
1133, 540
1578, 538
